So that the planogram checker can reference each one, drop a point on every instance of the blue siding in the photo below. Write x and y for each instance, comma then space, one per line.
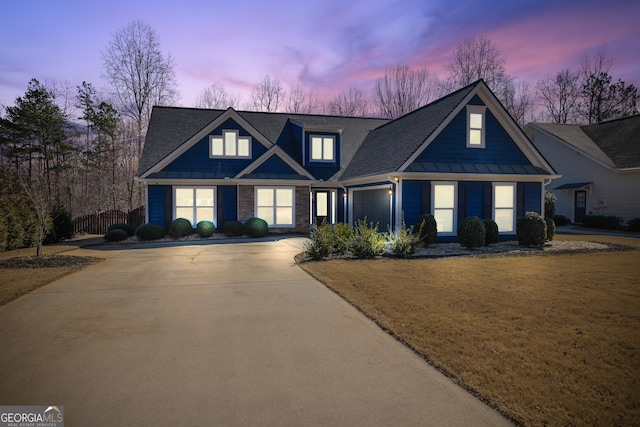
227, 200
529, 196
475, 198
450, 146
196, 159
156, 203
412, 200
275, 165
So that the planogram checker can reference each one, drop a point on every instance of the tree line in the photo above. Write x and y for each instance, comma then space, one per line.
76, 150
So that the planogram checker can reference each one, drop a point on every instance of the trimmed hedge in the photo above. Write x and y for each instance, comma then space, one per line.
551, 229
561, 220
180, 227
491, 232
427, 229
232, 228
531, 229
125, 227
205, 229
116, 235
472, 232
150, 232
602, 222
256, 227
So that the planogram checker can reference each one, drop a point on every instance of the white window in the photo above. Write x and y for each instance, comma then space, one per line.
230, 144
444, 195
475, 126
504, 206
322, 148
275, 205
194, 203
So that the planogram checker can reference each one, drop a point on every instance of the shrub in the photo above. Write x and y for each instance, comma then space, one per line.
427, 229
256, 227
342, 235
472, 232
180, 227
3, 232
321, 244
116, 235
404, 242
561, 220
63, 223
531, 229
491, 232
232, 228
150, 232
205, 229
367, 243
125, 227
551, 228
15, 229
602, 222
549, 204
634, 225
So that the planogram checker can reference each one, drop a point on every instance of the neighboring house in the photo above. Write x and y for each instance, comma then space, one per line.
462, 155
599, 164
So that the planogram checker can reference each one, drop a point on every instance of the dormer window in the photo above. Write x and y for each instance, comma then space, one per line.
475, 126
230, 144
323, 148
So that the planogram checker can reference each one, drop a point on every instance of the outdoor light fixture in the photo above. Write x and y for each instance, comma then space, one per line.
390, 191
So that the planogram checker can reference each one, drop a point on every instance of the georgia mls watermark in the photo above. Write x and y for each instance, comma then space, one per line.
31, 416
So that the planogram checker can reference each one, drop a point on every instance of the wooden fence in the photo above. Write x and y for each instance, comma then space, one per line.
99, 223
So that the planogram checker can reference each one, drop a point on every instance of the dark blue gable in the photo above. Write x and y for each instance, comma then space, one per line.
450, 147
195, 162
274, 168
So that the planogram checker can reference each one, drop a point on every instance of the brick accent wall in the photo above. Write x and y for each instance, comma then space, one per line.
246, 205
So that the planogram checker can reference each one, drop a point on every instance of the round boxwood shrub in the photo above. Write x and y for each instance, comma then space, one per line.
116, 235
125, 227
491, 232
472, 232
180, 227
551, 229
150, 232
531, 229
256, 227
232, 228
427, 229
205, 229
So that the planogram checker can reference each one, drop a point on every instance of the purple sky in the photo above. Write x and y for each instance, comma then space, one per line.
326, 45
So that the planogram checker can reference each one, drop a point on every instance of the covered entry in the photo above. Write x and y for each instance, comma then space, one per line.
372, 203
580, 191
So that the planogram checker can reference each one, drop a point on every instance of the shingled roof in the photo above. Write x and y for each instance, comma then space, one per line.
615, 143
171, 127
388, 147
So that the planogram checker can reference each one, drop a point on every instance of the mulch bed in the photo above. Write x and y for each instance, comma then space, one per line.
49, 261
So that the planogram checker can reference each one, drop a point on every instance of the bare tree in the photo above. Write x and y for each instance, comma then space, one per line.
301, 102
216, 97
477, 58
518, 100
37, 192
402, 90
139, 73
560, 94
349, 103
267, 95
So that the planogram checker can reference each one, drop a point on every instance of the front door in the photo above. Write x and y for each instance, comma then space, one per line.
580, 206
323, 206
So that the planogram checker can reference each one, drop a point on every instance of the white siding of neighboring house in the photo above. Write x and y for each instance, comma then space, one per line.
619, 192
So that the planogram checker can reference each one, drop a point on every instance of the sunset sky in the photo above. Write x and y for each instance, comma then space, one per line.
326, 45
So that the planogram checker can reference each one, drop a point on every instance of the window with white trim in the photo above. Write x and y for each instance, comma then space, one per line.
475, 126
230, 144
444, 195
322, 148
504, 206
275, 205
194, 203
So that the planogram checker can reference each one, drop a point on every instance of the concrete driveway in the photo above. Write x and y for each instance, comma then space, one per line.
218, 334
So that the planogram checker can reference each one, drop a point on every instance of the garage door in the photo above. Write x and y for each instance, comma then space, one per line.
373, 204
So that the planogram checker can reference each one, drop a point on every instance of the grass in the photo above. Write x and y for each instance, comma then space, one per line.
15, 282
547, 340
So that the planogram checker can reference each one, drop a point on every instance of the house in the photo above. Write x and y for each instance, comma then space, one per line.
462, 155
599, 164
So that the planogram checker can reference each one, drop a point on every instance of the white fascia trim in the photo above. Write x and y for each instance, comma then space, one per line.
230, 181
371, 179
424, 176
277, 151
230, 113
570, 146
